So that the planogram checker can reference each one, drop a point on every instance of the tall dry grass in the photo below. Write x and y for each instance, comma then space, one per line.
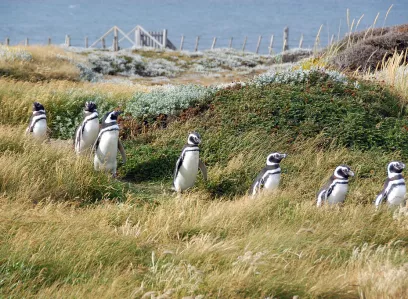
16, 97
278, 245
394, 72
47, 63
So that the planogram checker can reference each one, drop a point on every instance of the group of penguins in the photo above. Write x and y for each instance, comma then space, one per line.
103, 140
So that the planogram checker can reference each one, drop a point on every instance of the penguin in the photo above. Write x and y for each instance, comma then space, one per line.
269, 177
188, 163
394, 188
107, 144
37, 126
335, 190
87, 132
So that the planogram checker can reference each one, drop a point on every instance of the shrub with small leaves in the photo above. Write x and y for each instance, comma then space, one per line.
170, 100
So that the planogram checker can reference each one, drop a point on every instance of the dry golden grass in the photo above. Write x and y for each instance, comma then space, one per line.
393, 72
278, 245
16, 97
46, 64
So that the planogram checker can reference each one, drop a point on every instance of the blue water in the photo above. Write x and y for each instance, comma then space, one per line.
40, 19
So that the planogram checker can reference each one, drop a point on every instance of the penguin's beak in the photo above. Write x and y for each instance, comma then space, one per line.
284, 155
351, 173
117, 113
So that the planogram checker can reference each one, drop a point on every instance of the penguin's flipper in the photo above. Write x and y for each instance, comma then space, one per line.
178, 165
258, 182
77, 136
321, 196
122, 151
382, 195
96, 144
201, 165
379, 199
30, 127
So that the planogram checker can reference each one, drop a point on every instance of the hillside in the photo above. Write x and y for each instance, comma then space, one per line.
67, 231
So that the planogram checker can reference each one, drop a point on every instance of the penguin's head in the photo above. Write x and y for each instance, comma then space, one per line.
343, 171
275, 158
38, 107
90, 107
395, 167
194, 138
111, 117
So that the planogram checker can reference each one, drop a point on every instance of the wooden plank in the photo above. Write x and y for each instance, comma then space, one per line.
164, 38
213, 43
271, 45
26, 42
243, 46
102, 37
301, 41
285, 39
230, 43
138, 37
196, 44
49, 41
259, 44
182, 43
115, 40
103, 43
7, 41
86, 42
124, 35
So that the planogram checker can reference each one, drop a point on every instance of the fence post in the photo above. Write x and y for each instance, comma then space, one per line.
138, 39
230, 43
259, 43
301, 41
7, 41
182, 43
213, 43
49, 41
103, 43
271, 45
26, 42
115, 40
164, 38
68, 40
243, 46
285, 39
196, 44
86, 42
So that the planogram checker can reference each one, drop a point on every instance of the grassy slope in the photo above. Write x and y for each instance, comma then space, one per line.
213, 240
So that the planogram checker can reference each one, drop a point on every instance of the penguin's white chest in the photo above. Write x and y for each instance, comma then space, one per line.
397, 195
107, 150
40, 129
272, 181
187, 173
338, 194
89, 135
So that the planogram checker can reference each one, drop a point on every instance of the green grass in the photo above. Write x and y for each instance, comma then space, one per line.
66, 231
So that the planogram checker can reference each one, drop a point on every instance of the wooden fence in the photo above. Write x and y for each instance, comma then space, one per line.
139, 37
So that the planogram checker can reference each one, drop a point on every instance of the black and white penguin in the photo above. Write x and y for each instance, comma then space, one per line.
188, 164
107, 144
335, 190
394, 188
87, 132
37, 126
269, 177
